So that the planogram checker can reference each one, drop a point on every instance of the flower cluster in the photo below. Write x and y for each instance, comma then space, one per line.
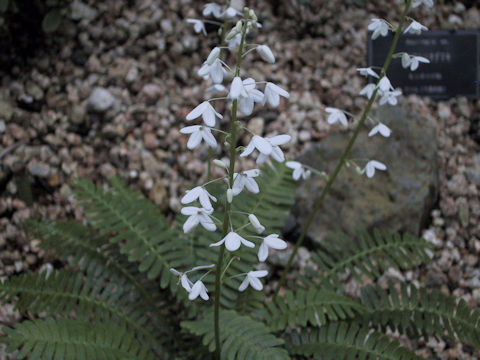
242, 93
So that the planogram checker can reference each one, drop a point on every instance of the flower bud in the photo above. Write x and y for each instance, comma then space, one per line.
220, 163
229, 195
239, 26
213, 55
266, 54
256, 224
251, 15
231, 34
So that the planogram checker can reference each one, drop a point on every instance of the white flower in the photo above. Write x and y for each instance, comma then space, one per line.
201, 194
277, 153
198, 26
212, 9
198, 216
273, 93
234, 42
368, 90
379, 27
230, 13
298, 170
232, 242
412, 62
390, 97
367, 72
266, 54
207, 112
415, 28
336, 115
259, 143
214, 54
198, 133
237, 89
246, 103
417, 3
256, 224
245, 179
198, 289
252, 280
215, 71
382, 129
371, 166
384, 84
271, 241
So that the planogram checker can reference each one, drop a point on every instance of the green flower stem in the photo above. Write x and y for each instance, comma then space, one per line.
346, 152
226, 220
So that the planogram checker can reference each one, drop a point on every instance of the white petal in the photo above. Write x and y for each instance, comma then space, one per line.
209, 138
255, 283
246, 105
255, 223
195, 113
256, 95
275, 242
236, 88
209, 116
203, 293
277, 154
191, 222
207, 223
405, 60
262, 252
186, 283
238, 185
203, 267
297, 173
278, 90
252, 186
216, 72
213, 55
293, 164
279, 139
258, 273
261, 158
262, 145
190, 129
378, 165
194, 140
384, 130
272, 97
218, 243
247, 243
189, 210
266, 54
248, 150
205, 200
232, 241
191, 195
196, 289
252, 173
244, 284
249, 84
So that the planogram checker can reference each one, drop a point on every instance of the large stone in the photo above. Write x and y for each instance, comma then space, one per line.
399, 199
100, 100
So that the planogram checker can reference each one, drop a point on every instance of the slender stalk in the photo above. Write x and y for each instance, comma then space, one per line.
346, 152
226, 220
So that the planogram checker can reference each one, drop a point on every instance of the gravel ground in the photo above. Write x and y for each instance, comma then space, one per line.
141, 59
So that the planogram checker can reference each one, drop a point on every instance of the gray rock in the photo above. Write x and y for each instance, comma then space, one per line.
100, 100
81, 11
399, 199
6, 110
34, 90
2, 126
39, 169
78, 114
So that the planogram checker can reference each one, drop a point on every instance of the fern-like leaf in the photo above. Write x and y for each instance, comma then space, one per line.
63, 292
69, 339
342, 340
313, 306
366, 255
421, 312
138, 227
241, 337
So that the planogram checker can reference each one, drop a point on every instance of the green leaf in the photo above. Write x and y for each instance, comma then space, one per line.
3, 5
241, 337
342, 340
52, 20
73, 340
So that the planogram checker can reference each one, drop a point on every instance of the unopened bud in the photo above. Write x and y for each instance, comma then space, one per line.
213, 55
220, 163
266, 54
256, 224
239, 26
229, 196
252, 15
232, 34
